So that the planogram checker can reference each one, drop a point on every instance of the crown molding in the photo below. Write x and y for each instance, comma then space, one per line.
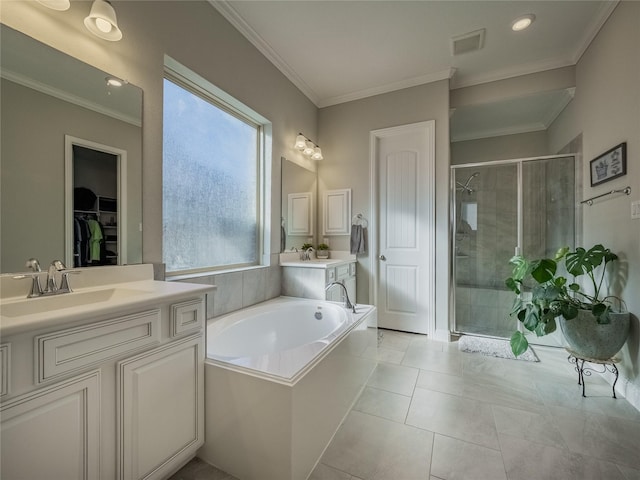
68, 97
510, 72
389, 87
234, 18
605, 12
499, 132
569, 93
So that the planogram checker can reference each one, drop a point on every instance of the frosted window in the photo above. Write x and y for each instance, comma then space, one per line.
210, 184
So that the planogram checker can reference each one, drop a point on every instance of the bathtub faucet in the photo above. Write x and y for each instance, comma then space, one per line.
347, 303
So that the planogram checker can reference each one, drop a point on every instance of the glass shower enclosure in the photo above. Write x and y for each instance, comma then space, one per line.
500, 208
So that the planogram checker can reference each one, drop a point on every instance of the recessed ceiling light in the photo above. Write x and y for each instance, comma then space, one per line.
115, 82
522, 22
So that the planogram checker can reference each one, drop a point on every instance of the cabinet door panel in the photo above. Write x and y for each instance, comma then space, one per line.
161, 408
54, 432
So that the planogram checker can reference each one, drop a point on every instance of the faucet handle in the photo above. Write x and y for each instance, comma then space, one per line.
36, 287
64, 282
58, 265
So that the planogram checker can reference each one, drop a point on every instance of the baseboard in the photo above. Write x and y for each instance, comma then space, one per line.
630, 391
442, 335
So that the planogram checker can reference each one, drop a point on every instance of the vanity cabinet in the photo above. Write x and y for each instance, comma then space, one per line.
160, 408
118, 397
345, 274
308, 280
53, 432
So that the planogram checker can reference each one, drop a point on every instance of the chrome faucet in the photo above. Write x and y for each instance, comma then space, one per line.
347, 303
305, 254
52, 287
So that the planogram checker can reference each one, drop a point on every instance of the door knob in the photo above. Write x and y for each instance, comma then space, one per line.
382, 257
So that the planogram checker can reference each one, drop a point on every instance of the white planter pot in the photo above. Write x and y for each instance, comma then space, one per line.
589, 339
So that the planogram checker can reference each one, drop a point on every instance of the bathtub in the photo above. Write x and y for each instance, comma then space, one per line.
279, 379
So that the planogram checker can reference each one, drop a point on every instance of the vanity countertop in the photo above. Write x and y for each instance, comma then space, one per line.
292, 259
19, 314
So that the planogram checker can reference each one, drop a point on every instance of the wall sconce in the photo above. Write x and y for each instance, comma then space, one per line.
102, 21
308, 148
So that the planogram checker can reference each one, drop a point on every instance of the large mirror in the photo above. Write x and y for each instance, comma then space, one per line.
56, 110
299, 201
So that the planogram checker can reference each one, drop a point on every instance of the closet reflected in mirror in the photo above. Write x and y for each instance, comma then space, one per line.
46, 98
93, 209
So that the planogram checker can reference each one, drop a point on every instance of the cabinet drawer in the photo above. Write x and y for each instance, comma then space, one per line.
331, 275
342, 271
65, 351
5, 368
187, 316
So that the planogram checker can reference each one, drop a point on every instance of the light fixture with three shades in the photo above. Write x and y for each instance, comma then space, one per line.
308, 148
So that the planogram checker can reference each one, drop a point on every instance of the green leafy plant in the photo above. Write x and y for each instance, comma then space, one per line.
553, 295
306, 246
322, 246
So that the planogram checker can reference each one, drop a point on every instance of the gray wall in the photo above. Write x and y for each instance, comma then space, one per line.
32, 220
194, 34
344, 136
523, 145
606, 111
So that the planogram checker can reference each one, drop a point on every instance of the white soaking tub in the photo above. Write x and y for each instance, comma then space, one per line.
279, 379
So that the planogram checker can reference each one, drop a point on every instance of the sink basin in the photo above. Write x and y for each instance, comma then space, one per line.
32, 306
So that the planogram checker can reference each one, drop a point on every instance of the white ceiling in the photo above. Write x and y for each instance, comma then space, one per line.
337, 51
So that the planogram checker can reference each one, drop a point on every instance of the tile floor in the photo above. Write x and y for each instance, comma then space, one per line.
431, 412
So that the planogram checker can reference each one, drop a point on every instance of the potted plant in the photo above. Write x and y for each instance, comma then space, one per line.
593, 325
305, 247
322, 250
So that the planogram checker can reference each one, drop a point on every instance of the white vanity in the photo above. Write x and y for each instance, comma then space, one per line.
104, 382
308, 278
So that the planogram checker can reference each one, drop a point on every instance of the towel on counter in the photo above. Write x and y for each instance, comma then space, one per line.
358, 239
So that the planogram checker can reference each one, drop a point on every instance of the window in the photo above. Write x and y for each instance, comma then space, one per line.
212, 170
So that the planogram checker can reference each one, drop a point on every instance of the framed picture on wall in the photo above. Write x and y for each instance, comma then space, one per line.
611, 164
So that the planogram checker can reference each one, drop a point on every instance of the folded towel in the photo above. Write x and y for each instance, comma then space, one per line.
358, 242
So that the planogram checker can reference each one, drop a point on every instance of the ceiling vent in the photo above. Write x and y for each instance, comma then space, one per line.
467, 42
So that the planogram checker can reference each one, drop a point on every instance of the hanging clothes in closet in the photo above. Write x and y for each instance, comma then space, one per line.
89, 245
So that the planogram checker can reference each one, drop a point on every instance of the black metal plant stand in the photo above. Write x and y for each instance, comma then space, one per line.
608, 365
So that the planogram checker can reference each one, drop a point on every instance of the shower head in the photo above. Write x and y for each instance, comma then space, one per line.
465, 187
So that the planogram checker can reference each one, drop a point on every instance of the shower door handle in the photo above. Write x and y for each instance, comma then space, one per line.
382, 257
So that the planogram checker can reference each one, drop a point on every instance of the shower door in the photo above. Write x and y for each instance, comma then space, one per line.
500, 208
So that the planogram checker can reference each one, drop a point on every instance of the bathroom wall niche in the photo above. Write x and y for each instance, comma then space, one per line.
45, 95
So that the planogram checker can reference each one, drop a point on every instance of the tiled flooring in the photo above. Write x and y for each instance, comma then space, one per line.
431, 412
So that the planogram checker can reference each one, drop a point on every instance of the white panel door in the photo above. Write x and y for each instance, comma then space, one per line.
406, 234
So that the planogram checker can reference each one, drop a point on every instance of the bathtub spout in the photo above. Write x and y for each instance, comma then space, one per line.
347, 303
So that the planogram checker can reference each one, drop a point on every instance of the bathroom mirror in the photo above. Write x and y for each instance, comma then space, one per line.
296, 179
47, 96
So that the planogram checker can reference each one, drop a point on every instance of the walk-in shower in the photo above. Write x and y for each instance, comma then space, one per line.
524, 205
